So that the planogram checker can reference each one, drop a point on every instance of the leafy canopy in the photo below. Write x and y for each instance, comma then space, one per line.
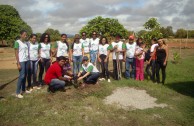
105, 26
11, 23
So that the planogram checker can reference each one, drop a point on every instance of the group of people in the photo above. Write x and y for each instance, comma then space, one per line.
89, 57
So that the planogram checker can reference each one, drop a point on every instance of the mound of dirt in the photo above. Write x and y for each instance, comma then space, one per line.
131, 99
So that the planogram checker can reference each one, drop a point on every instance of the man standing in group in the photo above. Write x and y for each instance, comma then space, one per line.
118, 48
130, 58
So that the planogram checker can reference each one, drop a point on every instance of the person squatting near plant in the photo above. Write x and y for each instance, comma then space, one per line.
45, 56
54, 78
33, 55
117, 48
88, 73
129, 58
103, 57
21, 54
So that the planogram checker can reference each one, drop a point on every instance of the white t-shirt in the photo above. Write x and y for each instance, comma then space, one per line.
45, 50
62, 49
77, 49
138, 50
86, 44
103, 49
153, 47
33, 51
22, 50
120, 45
89, 66
130, 49
94, 44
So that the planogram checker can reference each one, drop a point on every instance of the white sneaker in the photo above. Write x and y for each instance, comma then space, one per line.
27, 91
101, 79
30, 89
37, 87
109, 80
19, 96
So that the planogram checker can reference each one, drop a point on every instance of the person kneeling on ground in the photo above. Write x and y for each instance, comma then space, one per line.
89, 73
54, 77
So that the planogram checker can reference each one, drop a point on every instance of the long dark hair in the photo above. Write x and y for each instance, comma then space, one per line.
65, 40
105, 39
43, 37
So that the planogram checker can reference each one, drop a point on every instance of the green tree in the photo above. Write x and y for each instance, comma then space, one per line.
54, 34
141, 33
11, 23
153, 28
181, 33
167, 32
105, 26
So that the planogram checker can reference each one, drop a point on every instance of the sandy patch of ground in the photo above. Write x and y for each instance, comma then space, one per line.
8, 64
131, 99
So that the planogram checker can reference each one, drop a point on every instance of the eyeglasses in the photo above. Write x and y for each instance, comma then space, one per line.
94, 34
83, 35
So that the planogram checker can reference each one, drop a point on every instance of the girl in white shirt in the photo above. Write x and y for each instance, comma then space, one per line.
62, 47
45, 55
77, 52
33, 55
103, 57
21, 54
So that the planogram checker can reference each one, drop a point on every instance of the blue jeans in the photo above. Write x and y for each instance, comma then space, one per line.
32, 70
93, 56
77, 60
92, 78
93, 59
57, 84
22, 77
130, 62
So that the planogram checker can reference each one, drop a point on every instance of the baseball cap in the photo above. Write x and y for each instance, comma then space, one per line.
131, 37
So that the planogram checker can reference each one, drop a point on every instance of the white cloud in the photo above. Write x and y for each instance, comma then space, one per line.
70, 16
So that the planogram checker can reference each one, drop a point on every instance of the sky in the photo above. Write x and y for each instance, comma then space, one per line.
69, 16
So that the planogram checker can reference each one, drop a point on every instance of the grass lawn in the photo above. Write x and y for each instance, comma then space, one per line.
86, 107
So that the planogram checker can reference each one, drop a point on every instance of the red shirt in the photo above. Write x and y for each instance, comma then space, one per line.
54, 71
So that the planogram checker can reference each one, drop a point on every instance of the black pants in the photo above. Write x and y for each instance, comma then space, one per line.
92, 78
115, 71
160, 65
104, 66
152, 74
44, 64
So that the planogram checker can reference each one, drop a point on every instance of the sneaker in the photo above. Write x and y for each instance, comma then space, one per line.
101, 79
109, 80
37, 87
30, 89
19, 96
27, 91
